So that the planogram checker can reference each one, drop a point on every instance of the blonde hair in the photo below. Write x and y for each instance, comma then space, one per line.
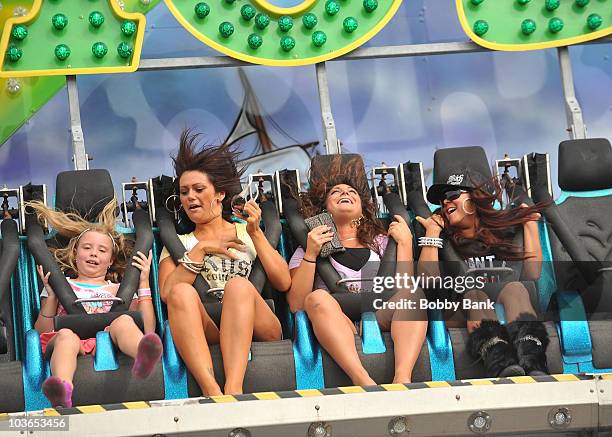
73, 226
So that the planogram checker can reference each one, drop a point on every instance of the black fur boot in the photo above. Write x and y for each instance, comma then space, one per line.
491, 342
530, 339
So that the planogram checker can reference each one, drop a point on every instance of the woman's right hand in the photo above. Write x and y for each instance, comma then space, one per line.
45, 280
217, 247
433, 225
316, 239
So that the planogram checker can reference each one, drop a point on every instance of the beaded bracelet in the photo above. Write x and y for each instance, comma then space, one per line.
189, 264
431, 242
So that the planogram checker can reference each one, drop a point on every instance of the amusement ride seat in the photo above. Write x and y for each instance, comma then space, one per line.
450, 343
375, 348
271, 365
106, 376
579, 232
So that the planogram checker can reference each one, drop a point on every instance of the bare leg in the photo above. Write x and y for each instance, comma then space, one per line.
191, 326
475, 316
145, 349
336, 334
408, 329
66, 347
515, 298
245, 314
125, 334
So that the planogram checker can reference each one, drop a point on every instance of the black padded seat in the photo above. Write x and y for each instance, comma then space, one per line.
11, 377
602, 346
114, 386
579, 227
271, 368
11, 381
589, 219
381, 366
467, 368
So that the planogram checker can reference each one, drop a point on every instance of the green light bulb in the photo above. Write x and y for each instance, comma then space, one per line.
226, 29
594, 21
481, 27
62, 52
255, 41
128, 28
202, 10
555, 25
309, 20
262, 20
59, 21
319, 38
528, 26
99, 49
96, 19
19, 32
248, 12
14, 53
349, 24
285, 23
287, 43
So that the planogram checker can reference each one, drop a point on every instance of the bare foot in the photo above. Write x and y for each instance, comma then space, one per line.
399, 379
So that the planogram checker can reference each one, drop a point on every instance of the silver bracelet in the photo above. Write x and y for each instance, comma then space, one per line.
193, 266
431, 242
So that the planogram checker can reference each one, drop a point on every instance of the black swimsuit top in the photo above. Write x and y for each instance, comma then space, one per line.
355, 258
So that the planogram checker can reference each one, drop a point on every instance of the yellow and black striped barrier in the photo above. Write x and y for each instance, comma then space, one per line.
270, 396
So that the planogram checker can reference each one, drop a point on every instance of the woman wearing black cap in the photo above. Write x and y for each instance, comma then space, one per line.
484, 237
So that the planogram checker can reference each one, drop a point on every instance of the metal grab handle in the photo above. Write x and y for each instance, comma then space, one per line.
605, 269
217, 292
348, 280
98, 299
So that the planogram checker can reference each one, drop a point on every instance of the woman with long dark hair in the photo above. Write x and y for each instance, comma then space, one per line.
223, 253
485, 237
343, 192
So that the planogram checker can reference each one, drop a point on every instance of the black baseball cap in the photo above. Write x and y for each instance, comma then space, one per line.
458, 168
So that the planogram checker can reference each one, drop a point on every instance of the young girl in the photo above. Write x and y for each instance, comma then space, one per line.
94, 261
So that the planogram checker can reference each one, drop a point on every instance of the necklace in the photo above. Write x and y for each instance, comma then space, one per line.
350, 239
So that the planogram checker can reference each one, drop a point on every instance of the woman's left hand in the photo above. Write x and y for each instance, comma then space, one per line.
536, 216
143, 263
399, 230
254, 216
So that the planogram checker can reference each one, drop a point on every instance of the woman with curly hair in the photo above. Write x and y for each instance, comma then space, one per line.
223, 253
342, 191
94, 261
484, 237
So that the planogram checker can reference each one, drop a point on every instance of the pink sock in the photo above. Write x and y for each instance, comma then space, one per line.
149, 352
58, 391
